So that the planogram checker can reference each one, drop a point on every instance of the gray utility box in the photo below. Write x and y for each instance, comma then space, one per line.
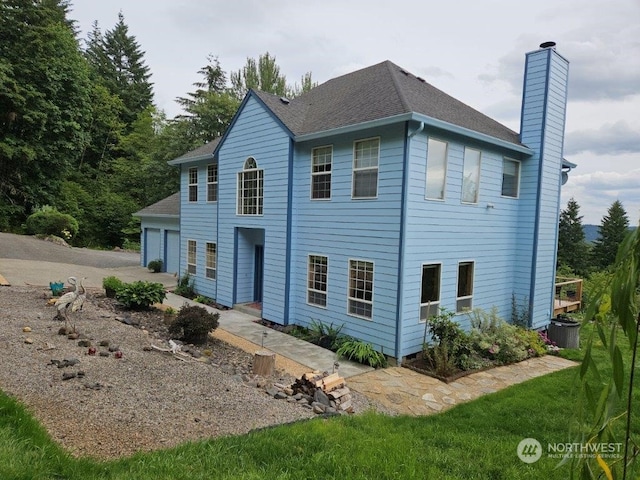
564, 332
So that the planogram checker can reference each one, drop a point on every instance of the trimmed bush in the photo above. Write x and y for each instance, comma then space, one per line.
51, 222
193, 324
140, 295
155, 265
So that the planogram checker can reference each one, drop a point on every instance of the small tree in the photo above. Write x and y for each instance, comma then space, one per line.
612, 230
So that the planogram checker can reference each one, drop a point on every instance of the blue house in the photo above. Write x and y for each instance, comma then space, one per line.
375, 199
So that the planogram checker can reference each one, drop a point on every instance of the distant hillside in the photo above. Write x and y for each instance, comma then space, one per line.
591, 232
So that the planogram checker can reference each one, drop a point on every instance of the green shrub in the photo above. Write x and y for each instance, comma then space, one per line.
362, 352
193, 324
49, 221
450, 349
495, 339
323, 335
111, 285
185, 286
140, 295
155, 265
204, 300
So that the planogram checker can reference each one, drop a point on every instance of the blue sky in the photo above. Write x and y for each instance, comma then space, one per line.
473, 50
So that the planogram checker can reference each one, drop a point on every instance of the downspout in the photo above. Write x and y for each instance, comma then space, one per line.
402, 237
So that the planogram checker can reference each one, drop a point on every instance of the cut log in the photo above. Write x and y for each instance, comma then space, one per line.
338, 393
264, 363
329, 378
333, 384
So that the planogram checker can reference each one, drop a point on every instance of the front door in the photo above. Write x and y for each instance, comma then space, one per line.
258, 273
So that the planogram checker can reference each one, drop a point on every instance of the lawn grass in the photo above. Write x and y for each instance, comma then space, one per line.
476, 440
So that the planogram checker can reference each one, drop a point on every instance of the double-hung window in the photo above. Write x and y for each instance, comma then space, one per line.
191, 257
193, 184
366, 155
430, 293
436, 169
212, 182
510, 178
361, 288
464, 298
210, 261
321, 159
471, 176
317, 280
250, 189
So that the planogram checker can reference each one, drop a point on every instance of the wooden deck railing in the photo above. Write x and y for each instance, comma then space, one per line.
568, 295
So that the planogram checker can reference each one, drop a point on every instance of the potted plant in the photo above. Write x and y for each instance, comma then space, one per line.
170, 315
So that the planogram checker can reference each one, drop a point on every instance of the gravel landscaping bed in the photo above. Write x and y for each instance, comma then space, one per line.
104, 406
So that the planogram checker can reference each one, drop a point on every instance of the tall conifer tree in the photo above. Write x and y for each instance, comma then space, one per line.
611, 232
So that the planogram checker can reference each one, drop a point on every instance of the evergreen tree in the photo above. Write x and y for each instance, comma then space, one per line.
572, 247
611, 232
118, 63
44, 104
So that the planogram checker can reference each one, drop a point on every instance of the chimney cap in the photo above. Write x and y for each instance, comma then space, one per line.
547, 44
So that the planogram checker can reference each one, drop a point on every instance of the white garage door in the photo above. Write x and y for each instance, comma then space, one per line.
172, 251
152, 245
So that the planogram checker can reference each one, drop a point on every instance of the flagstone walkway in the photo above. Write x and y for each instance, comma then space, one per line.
411, 393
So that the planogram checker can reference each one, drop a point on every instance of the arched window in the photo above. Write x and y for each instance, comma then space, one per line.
250, 188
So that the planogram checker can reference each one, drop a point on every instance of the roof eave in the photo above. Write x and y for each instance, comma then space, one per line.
156, 215
379, 122
198, 158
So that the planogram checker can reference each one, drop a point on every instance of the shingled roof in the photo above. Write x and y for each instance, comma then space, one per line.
198, 153
167, 207
380, 91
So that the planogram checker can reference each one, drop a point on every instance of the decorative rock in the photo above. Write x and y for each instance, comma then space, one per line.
28, 340
280, 395
272, 391
318, 408
71, 361
104, 354
104, 343
298, 396
81, 373
84, 343
114, 348
68, 375
64, 331
91, 351
320, 397
26, 329
118, 354
73, 336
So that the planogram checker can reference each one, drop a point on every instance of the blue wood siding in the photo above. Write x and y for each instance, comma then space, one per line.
448, 232
154, 244
543, 120
254, 134
198, 222
343, 228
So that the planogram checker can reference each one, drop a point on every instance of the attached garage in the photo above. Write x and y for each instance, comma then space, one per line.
160, 233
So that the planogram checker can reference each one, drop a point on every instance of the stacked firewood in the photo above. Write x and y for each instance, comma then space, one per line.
325, 388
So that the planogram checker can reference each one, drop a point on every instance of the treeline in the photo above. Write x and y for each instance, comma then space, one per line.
79, 131
578, 257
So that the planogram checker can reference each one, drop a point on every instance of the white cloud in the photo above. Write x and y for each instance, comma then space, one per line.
610, 139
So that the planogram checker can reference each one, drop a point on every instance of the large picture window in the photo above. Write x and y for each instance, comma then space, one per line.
471, 176
191, 257
436, 169
193, 184
510, 178
212, 182
464, 298
361, 288
250, 188
321, 159
210, 261
365, 168
317, 280
430, 292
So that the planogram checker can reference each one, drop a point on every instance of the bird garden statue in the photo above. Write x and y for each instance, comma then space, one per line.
72, 300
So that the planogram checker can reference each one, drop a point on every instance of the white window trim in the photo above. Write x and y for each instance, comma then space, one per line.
213, 183
326, 292
242, 171
207, 268
195, 265
519, 177
420, 320
446, 169
473, 286
373, 288
190, 184
322, 173
353, 169
477, 200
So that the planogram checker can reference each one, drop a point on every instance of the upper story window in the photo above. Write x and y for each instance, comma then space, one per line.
436, 169
321, 158
510, 178
317, 280
471, 175
366, 155
193, 184
464, 297
210, 261
430, 293
191, 257
250, 189
361, 288
212, 182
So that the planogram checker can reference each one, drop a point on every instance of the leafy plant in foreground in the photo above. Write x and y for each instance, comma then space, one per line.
140, 295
